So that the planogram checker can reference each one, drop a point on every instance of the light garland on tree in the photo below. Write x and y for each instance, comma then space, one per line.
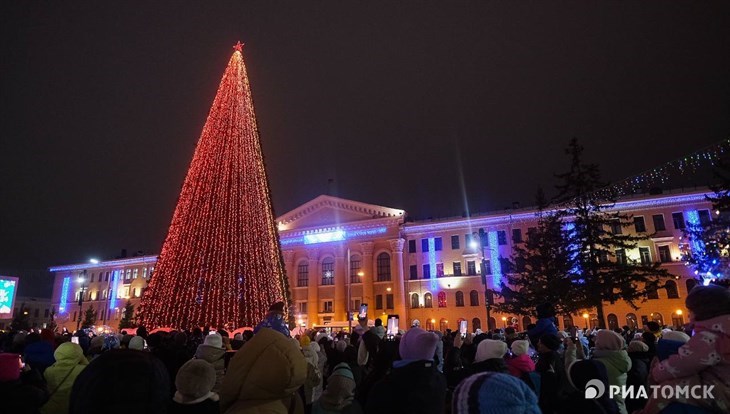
221, 263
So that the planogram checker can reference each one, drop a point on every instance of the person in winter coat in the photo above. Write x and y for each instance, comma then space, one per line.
123, 381
339, 397
554, 385
545, 323
638, 374
704, 359
579, 374
60, 377
38, 352
369, 345
21, 391
264, 376
609, 351
194, 395
414, 384
313, 384
493, 392
212, 351
521, 363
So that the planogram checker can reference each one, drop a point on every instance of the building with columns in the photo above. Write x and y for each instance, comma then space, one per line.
341, 253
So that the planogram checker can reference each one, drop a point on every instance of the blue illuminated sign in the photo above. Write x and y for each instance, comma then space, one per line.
64, 294
331, 236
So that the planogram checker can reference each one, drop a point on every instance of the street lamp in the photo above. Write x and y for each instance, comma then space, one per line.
82, 281
504, 321
585, 316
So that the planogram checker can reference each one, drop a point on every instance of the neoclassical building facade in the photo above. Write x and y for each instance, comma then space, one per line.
341, 253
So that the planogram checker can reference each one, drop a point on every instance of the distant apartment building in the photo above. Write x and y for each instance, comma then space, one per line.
37, 310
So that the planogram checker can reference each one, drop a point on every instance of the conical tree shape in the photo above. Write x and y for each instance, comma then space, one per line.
221, 263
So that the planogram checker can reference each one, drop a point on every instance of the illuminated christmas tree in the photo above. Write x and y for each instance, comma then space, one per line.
221, 264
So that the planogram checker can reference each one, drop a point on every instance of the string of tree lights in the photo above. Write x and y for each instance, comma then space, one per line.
221, 263
646, 180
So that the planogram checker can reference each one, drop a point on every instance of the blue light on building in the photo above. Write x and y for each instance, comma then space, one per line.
432, 263
64, 294
494, 259
113, 290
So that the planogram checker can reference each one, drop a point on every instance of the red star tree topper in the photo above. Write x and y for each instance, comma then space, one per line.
221, 262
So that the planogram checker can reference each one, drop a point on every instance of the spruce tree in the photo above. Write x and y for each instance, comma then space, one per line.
127, 320
21, 320
708, 250
604, 273
89, 317
543, 268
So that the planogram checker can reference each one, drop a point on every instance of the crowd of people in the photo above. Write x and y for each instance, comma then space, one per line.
269, 370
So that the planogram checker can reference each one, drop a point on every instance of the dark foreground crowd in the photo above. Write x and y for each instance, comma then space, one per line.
266, 370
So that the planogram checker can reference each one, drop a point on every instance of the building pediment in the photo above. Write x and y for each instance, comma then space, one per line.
328, 211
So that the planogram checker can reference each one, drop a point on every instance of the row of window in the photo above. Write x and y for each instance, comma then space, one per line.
116, 314
129, 274
382, 271
121, 293
639, 226
35, 313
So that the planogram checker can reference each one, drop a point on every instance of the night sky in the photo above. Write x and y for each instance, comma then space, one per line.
417, 107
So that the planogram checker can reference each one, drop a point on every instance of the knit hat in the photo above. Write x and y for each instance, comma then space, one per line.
140, 384
378, 330
490, 348
274, 320
416, 323
340, 346
666, 348
340, 389
494, 393
418, 344
97, 343
551, 341
609, 340
214, 340
195, 379
304, 341
637, 346
545, 310
520, 347
137, 343
678, 336
9, 367
111, 342
707, 302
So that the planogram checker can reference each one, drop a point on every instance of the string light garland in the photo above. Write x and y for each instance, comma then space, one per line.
662, 174
221, 262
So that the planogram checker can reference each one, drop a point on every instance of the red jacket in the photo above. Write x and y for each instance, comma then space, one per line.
519, 365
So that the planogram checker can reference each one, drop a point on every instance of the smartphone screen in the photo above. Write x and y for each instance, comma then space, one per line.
363, 311
462, 328
75, 339
392, 326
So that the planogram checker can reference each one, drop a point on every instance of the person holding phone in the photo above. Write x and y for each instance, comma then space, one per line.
22, 389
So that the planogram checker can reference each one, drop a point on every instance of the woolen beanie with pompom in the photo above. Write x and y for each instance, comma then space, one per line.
494, 393
418, 344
